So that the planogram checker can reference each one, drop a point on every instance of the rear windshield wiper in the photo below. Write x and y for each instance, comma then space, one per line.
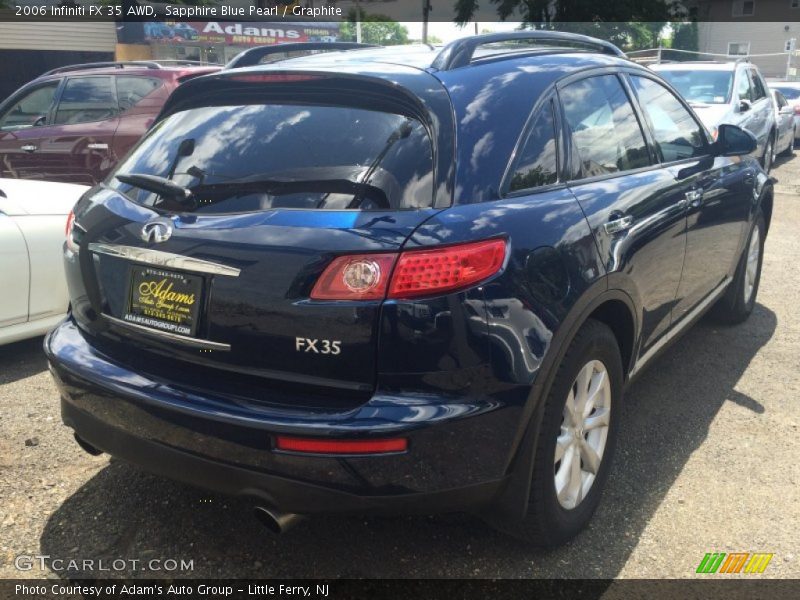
159, 185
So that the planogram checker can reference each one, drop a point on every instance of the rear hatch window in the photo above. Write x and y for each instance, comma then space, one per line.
253, 157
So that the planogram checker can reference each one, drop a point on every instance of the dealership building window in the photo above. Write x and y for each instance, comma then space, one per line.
744, 8
738, 48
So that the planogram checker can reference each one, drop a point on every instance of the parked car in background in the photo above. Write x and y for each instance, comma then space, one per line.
727, 92
33, 217
74, 123
403, 279
785, 128
791, 92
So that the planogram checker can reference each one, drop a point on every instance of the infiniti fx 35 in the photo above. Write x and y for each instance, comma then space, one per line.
403, 281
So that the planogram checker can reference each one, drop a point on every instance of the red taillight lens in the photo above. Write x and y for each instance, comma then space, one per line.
318, 446
426, 272
797, 109
356, 277
418, 272
68, 233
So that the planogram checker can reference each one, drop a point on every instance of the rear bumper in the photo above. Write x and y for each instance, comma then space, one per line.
458, 456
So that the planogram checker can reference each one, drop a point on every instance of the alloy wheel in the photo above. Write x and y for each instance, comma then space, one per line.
751, 268
583, 435
769, 155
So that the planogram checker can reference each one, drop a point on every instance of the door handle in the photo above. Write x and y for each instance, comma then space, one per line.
618, 225
29, 147
97, 146
695, 198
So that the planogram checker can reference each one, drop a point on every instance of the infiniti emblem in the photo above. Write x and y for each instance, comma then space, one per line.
157, 230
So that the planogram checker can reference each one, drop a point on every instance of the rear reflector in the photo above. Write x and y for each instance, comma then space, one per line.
319, 446
426, 272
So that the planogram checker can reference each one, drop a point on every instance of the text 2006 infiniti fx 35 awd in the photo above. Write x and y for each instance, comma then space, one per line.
342, 284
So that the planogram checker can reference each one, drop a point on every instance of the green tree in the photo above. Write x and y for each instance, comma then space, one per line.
684, 37
375, 29
561, 12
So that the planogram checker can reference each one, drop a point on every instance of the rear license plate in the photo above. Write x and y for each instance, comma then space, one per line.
164, 300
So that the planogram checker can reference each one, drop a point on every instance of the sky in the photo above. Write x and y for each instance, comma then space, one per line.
447, 32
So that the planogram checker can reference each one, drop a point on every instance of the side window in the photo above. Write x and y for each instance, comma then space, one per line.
743, 89
537, 164
759, 91
605, 131
31, 109
86, 99
130, 90
780, 100
677, 134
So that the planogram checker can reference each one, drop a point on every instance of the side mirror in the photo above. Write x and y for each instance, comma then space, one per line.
744, 105
734, 141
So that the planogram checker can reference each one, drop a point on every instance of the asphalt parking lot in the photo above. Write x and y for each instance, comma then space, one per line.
707, 462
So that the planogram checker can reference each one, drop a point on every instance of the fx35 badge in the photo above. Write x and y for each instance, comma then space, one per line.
302, 344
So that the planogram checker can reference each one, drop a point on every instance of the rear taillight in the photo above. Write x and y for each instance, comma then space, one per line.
68, 232
356, 277
320, 446
797, 109
425, 272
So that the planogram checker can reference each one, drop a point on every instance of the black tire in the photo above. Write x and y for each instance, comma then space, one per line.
790, 148
733, 308
769, 153
547, 522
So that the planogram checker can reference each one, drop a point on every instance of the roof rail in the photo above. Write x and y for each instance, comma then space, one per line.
253, 56
149, 64
459, 53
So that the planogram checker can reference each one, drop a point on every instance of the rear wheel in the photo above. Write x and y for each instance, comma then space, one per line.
769, 153
740, 297
577, 438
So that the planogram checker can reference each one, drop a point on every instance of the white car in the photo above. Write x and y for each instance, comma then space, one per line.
791, 92
33, 217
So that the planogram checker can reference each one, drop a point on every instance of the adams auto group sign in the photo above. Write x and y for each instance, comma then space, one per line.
238, 33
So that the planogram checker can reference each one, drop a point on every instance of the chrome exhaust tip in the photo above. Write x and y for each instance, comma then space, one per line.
276, 521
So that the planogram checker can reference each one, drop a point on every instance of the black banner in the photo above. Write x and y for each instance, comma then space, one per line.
398, 589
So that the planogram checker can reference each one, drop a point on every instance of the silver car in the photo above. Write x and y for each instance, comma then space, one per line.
790, 91
728, 92
784, 125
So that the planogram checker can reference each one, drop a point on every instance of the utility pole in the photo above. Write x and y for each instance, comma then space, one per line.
426, 9
358, 21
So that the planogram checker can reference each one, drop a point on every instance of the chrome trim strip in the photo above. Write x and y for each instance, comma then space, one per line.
163, 259
167, 336
687, 320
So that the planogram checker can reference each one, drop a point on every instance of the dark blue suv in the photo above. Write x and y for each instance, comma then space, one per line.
403, 279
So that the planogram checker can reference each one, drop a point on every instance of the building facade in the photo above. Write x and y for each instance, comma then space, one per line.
766, 30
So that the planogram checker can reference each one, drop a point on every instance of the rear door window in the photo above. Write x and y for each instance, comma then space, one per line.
86, 99
537, 165
130, 90
606, 136
677, 134
263, 156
